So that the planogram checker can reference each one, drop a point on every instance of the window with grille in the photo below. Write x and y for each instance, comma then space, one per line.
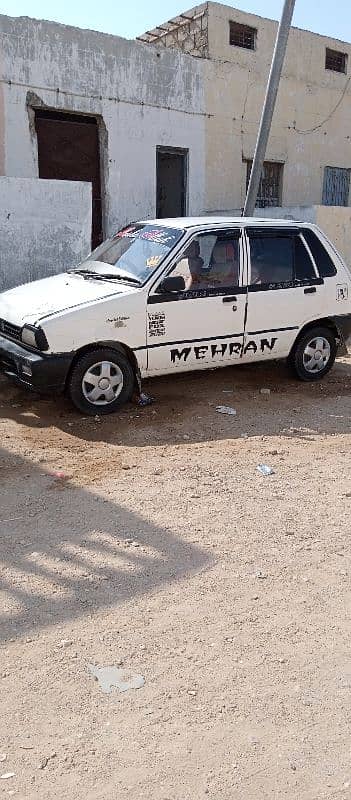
336, 186
271, 184
336, 61
242, 36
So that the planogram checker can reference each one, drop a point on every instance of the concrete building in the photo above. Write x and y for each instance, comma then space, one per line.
309, 151
164, 126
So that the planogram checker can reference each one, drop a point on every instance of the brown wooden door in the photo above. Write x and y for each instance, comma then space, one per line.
68, 150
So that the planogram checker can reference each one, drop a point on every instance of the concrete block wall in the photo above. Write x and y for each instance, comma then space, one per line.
45, 227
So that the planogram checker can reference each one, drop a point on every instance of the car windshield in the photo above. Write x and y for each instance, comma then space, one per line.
134, 252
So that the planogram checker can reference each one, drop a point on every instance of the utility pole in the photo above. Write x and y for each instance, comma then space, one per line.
268, 107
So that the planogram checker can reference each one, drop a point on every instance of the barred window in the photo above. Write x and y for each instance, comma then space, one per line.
271, 184
336, 61
242, 36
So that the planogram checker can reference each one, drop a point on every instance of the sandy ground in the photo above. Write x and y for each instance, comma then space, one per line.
163, 550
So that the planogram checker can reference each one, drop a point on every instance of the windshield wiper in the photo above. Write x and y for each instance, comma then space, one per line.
107, 276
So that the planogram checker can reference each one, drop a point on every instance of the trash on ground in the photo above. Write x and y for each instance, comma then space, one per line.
3, 757
145, 399
60, 476
113, 677
264, 469
265, 391
226, 410
7, 775
261, 575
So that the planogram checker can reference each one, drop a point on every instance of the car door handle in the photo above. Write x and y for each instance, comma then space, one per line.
229, 299
310, 290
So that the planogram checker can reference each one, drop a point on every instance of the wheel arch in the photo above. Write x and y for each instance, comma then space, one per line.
120, 347
326, 322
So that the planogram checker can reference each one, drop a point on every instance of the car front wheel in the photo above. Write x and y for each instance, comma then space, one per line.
314, 354
101, 381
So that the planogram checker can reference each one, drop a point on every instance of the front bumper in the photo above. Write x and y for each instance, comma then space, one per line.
41, 372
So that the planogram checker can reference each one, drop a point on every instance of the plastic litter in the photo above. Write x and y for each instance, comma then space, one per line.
226, 410
113, 677
264, 469
7, 775
145, 399
265, 391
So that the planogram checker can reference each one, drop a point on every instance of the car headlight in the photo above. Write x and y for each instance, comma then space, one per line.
34, 337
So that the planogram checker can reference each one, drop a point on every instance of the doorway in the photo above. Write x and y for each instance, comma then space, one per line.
171, 182
68, 150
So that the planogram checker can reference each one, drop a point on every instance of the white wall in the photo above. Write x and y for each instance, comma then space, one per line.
45, 227
144, 97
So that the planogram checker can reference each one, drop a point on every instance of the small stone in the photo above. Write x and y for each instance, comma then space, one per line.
66, 642
43, 763
125, 466
255, 597
265, 391
192, 692
3, 757
347, 785
261, 575
293, 767
135, 544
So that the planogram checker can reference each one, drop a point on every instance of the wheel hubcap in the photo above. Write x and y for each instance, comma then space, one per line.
316, 354
102, 383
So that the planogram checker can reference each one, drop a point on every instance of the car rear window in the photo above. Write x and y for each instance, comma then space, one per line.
325, 265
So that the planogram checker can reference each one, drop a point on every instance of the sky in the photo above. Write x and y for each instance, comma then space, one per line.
132, 17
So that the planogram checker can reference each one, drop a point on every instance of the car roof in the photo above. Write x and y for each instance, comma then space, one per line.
196, 222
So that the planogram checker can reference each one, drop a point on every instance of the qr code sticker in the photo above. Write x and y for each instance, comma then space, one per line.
157, 324
342, 291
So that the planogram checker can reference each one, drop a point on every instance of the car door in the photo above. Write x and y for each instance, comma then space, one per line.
202, 325
284, 292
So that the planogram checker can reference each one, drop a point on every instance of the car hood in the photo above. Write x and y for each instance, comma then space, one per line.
32, 302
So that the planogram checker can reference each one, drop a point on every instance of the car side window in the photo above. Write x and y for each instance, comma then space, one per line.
210, 261
304, 269
324, 263
272, 260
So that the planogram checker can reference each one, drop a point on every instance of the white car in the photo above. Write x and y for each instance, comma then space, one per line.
166, 296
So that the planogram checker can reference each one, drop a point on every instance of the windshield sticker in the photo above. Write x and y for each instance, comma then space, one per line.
131, 231
153, 261
164, 236
157, 324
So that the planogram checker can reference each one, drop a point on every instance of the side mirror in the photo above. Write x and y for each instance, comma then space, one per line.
174, 283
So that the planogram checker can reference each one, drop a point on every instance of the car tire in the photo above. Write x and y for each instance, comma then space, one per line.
314, 354
101, 381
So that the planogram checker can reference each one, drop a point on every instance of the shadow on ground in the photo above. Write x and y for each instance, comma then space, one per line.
67, 552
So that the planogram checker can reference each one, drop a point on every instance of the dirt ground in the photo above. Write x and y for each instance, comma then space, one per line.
162, 549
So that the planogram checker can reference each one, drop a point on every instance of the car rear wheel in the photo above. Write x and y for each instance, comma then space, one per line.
314, 354
101, 381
